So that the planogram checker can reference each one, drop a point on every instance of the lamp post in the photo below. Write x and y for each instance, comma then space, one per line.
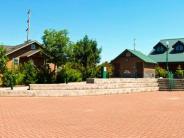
167, 53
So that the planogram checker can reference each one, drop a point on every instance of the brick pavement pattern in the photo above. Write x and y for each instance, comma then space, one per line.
138, 115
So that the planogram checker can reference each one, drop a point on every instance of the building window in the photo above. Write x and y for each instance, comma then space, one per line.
128, 54
15, 61
179, 48
160, 49
33, 47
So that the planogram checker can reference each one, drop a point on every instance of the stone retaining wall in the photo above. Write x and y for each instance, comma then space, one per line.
92, 87
57, 93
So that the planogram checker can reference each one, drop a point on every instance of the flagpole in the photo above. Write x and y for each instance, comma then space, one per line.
28, 24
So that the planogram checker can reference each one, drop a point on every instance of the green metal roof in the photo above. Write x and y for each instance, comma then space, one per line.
172, 57
141, 56
138, 54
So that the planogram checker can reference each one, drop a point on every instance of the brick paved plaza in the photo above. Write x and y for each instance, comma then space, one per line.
138, 115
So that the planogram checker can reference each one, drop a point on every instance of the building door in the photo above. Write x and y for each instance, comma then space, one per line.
117, 70
140, 70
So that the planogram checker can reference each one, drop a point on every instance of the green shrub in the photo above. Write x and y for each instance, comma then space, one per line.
30, 72
45, 75
179, 72
160, 72
20, 78
19, 75
68, 74
9, 78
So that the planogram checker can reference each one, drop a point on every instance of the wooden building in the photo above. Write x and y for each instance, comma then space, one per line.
25, 52
133, 64
175, 50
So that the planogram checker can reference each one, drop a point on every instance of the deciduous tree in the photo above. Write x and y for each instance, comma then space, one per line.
54, 45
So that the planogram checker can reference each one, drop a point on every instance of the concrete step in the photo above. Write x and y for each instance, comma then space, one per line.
165, 89
75, 92
172, 87
163, 82
121, 80
177, 84
92, 92
90, 86
171, 84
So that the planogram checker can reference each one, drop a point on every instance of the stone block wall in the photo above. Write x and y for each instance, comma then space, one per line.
92, 87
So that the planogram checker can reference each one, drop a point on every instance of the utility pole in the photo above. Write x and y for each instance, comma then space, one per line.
28, 24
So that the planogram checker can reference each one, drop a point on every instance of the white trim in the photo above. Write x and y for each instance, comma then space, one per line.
23, 47
17, 58
34, 53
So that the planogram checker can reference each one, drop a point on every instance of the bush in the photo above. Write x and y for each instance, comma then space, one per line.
19, 75
160, 72
9, 78
68, 74
30, 72
45, 75
179, 72
19, 78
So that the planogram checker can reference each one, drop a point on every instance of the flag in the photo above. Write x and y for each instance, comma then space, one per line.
29, 11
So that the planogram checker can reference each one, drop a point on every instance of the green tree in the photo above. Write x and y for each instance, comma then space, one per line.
30, 73
45, 75
9, 78
55, 44
87, 55
3, 60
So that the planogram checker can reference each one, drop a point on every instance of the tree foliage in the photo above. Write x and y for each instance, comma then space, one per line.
30, 73
75, 61
9, 78
69, 73
54, 45
45, 74
160, 72
179, 72
3, 60
86, 54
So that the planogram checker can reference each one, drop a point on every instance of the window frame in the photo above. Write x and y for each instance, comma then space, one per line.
179, 48
17, 61
33, 46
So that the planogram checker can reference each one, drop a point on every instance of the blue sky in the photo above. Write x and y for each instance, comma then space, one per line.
113, 23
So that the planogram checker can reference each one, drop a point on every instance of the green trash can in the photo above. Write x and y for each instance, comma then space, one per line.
104, 72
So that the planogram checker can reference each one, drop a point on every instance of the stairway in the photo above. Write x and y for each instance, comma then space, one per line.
96, 87
171, 85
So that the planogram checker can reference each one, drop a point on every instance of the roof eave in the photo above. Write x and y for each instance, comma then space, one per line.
8, 53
